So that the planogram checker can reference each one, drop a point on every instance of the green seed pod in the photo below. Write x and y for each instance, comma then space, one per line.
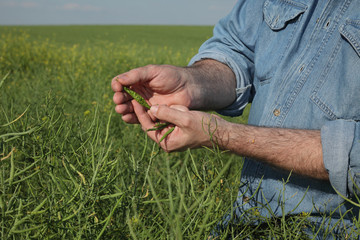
166, 134
158, 126
137, 97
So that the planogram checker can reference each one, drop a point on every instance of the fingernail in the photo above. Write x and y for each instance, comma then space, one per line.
154, 109
120, 78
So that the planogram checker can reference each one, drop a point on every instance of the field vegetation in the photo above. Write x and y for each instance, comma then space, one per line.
71, 169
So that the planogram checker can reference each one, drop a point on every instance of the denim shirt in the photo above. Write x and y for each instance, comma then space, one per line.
298, 63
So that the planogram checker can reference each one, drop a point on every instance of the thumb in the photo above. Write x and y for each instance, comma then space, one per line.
135, 76
174, 114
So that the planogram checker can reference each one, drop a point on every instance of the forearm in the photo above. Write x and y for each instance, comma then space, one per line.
212, 86
299, 151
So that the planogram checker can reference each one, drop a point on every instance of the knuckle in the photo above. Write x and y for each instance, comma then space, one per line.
151, 66
187, 122
152, 69
161, 110
133, 74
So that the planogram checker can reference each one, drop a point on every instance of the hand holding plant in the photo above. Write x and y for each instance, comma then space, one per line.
157, 84
193, 129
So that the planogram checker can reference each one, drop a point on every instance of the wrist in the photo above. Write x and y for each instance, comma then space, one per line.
217, 132
194, 88
212, 85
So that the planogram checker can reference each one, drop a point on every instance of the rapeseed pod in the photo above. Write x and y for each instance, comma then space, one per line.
137, 97
142, 101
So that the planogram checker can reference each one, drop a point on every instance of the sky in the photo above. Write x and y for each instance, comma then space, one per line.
99, 12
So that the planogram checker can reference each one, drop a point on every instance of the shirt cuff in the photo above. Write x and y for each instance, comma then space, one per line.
341, 151
354, 166
243, 86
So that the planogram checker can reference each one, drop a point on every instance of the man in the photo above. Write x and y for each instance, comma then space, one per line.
298, 62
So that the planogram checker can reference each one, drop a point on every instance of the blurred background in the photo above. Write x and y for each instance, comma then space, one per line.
158, 12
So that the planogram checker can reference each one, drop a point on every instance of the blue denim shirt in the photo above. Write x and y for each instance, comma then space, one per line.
298, 62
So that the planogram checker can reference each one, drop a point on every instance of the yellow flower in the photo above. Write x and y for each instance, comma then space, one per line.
256, 212
134, 220
87, 112
304, 214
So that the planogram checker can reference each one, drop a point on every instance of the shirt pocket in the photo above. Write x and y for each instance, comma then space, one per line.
351, 32
337, 93
280, 23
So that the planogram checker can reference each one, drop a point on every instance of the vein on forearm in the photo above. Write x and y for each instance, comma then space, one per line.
294, 150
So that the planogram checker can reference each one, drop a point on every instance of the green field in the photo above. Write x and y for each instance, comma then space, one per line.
71, 169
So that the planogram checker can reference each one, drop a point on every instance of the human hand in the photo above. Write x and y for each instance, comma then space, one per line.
157, 84
193, 129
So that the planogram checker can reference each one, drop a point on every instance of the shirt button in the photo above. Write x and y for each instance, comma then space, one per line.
327, 24
276, 112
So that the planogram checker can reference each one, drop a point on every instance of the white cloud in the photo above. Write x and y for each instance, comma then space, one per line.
29, 4
19, 4
70, 6
78, 7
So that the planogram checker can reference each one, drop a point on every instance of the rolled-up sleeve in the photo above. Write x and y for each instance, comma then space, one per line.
341, 155
233, 44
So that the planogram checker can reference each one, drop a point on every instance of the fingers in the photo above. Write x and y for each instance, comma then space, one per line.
121, 98
188, 131
146, 121
124, 106
142, 116
157, 84
133, 76
116, 85
180, 108
176, 140
124, 109
130, 118
174, 114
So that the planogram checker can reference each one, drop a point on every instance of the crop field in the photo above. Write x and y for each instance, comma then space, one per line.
71, 169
